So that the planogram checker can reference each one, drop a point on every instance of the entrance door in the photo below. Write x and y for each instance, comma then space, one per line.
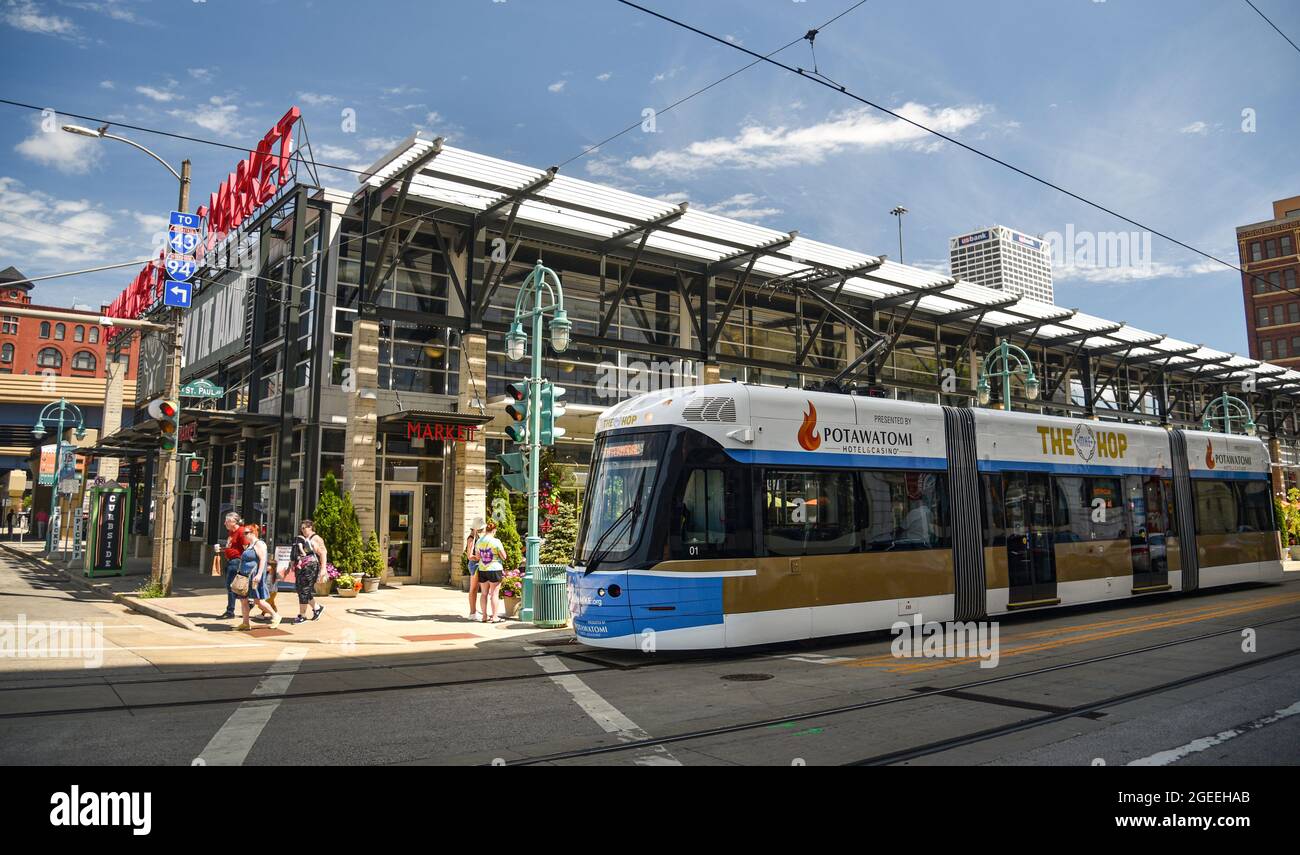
401, 531
1146, 497
1031, 562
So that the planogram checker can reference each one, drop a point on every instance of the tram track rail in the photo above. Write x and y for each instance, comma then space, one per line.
952, 742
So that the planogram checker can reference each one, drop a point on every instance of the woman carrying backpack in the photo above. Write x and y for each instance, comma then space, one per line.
309, 556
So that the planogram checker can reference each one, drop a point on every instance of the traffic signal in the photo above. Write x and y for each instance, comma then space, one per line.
167, 414
512, 471
552, 409
193, 478
518, 411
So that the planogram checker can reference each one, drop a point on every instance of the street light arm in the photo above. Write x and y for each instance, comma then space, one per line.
135, 144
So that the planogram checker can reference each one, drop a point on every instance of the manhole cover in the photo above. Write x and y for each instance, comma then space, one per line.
747, 678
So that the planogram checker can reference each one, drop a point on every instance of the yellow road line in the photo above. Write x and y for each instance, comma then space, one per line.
1114, 629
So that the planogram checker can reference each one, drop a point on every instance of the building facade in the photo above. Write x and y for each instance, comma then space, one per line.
1004, 259
1269, 289
362, 333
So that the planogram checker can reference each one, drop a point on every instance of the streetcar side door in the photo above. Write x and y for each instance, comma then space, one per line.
1031, 559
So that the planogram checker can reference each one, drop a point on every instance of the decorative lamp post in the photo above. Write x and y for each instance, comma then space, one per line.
1004, 362
1231, 410
531, 306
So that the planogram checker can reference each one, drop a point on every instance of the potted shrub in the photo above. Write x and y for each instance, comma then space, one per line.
511, 592
347, 585
372, 564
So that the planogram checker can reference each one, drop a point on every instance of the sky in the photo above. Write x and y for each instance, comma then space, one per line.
1179, 114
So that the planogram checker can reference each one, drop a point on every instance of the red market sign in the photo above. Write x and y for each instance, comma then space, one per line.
440, 431
255, 181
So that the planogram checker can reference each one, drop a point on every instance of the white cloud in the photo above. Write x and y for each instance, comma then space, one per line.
604, 76
27, 15
742, 206
1120, 275
203, 75
557, 86
379, 143
68, 153
858, 130
216, 115
313, 99
1199, 128
160, 95
106, 84
45, 230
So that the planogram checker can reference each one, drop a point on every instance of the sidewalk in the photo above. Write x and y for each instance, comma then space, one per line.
394, 618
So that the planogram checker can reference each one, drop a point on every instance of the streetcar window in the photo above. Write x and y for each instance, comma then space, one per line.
905, 510
711, 516
1256, 506
809, 513
1216, 506
1073, 514
618, 494
1106, 509
994, 511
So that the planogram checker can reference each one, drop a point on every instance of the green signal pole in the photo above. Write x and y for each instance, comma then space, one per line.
534, 288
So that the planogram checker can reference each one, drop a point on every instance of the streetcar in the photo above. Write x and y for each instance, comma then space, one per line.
729, 515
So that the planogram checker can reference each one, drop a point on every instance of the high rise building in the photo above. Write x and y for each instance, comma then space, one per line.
1268, 257
999, 257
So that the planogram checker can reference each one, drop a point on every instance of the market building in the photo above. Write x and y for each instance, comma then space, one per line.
362, 332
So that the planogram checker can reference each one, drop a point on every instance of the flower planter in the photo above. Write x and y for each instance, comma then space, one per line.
347, 593
511, 605
370, 583
324, 586
1295, 553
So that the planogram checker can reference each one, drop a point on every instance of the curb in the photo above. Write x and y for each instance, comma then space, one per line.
106, 591
148, 609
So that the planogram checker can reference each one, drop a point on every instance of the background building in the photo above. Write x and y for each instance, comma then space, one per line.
1003, 258
1268, 257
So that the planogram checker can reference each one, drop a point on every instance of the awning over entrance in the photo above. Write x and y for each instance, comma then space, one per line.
141, 439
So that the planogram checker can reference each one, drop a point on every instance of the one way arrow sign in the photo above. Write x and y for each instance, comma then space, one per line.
178, 294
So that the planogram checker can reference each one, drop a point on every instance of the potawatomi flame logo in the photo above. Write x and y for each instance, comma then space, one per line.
1209, 454
808, 437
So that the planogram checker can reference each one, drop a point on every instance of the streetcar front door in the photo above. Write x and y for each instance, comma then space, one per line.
1150, 533
1031, 562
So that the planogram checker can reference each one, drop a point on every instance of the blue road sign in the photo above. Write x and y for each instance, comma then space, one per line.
182, 241
186, 221
178, 294
180, 267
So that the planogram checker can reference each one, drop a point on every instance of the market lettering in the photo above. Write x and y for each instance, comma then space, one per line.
1059, 441
255, 180
439, 431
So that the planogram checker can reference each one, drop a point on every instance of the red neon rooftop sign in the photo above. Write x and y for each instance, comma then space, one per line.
255, 180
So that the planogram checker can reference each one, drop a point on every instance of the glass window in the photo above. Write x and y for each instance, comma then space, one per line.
94, 335
1281, 348
1266, 347
7, 353
78, 333
1256, 506
1288, 248
1261, 316
49, 358
809, 512
10, 325
84, 360
1289, 274
1293, 313
1073, 514
1256, 251
60, 332
1270, 248
994, 510
711, 516
905, 510
618, 494
45, 329
1275, 281
1216, 506
1106, 509
431, 531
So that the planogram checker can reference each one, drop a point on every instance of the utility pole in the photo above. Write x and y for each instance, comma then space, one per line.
166, 511
898, 211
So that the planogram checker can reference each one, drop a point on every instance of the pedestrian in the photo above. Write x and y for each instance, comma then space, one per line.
42, 519
490, 555
252, 563
471, 556
309, 556
230, 554
9, 524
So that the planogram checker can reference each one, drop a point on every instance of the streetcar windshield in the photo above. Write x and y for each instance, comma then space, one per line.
619, 494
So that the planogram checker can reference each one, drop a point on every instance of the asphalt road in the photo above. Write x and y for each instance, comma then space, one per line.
156, 694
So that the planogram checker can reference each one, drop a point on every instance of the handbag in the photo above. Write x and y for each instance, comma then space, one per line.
216, 566
239, 585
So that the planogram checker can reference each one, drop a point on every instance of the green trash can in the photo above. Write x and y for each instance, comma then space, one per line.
551, 595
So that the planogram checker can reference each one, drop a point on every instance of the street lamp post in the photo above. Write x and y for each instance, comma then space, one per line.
164, 553
898, 211
1004, 362
533, 290
60, 413
1231, 410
